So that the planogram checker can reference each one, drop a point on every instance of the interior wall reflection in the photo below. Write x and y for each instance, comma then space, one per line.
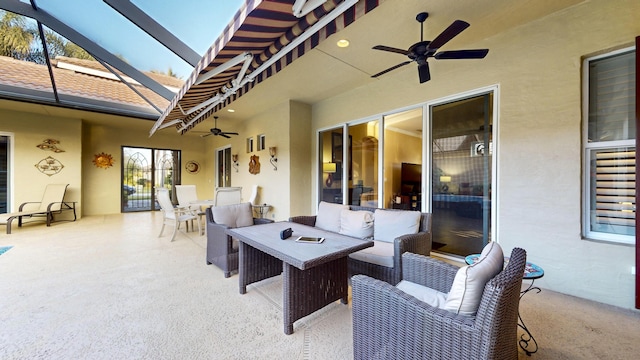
403, 160
363, 169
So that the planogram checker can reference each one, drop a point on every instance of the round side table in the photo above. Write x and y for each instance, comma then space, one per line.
531, 272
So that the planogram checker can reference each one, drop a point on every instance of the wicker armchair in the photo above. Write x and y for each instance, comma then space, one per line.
390, 324
222, 249
419, 243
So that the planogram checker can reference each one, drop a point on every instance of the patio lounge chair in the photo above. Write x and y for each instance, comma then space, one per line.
52, 202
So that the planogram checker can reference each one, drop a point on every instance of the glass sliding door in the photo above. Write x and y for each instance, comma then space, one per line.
331, 170
143, 171
461, 176
223, 162
403, 165
4, 174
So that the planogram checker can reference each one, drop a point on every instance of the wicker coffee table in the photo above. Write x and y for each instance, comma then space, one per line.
314, 275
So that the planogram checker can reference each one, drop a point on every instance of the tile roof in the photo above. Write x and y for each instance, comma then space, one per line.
87, 79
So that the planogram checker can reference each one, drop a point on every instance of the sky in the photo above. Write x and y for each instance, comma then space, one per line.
198, 23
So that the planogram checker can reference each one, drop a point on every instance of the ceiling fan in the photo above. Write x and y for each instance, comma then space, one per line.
215, 131
421, 51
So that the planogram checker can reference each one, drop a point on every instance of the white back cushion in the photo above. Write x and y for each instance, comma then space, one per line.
468, 285
389, 224
427, 295
236, 215
356, 223
328, 217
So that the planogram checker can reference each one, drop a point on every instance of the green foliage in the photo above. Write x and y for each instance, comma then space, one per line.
15, 36
19, 39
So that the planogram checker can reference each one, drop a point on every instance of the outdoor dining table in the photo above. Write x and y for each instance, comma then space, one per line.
314, 275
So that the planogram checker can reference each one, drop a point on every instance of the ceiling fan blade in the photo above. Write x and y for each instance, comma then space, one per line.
423, 72
205, 135
462, 54
230, 133
391, 49
391, 68
449, 33
225, 135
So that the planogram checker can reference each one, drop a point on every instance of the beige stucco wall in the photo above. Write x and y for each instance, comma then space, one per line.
102, 186
537, 68
28, 130
285, 126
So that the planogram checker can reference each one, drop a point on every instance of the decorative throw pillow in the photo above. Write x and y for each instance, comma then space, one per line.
328, 217
468, 285
389, 224
236, 215
356, 223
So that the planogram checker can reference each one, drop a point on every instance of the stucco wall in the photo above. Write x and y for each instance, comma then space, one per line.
30, 130
285, 126
102, 186
537, 67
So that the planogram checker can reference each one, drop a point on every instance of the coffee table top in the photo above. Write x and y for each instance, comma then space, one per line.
266, 238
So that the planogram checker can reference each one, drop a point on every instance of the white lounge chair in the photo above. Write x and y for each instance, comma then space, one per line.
52, 202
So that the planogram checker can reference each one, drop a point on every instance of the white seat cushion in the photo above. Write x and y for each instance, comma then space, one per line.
356, 223
328, 217
425, 294
380, 254
390, 224
234, 216
468, 285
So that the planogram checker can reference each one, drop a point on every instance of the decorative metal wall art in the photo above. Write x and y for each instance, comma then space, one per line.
103, 160
49, 166
254, 165
50, 145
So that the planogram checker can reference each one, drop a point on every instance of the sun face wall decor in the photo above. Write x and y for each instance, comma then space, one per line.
103, 160
193, 167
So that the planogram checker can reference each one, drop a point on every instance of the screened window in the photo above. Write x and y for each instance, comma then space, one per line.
610, 147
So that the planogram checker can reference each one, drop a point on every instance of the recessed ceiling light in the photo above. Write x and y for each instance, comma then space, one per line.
231, 110
343, 43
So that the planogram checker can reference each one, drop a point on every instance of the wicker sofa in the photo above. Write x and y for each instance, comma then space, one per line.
388, 323
384, 260
222, 250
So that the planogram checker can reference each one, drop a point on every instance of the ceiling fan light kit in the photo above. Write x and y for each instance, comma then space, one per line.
422, 50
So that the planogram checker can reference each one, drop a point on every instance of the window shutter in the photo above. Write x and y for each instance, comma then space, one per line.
615, 191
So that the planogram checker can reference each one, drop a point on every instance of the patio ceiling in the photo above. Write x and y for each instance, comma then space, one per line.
327, 69
265, 37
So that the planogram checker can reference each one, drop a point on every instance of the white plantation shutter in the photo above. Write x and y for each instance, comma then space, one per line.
614, 189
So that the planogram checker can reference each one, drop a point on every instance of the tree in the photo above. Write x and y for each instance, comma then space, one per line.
20, 40
15, 35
